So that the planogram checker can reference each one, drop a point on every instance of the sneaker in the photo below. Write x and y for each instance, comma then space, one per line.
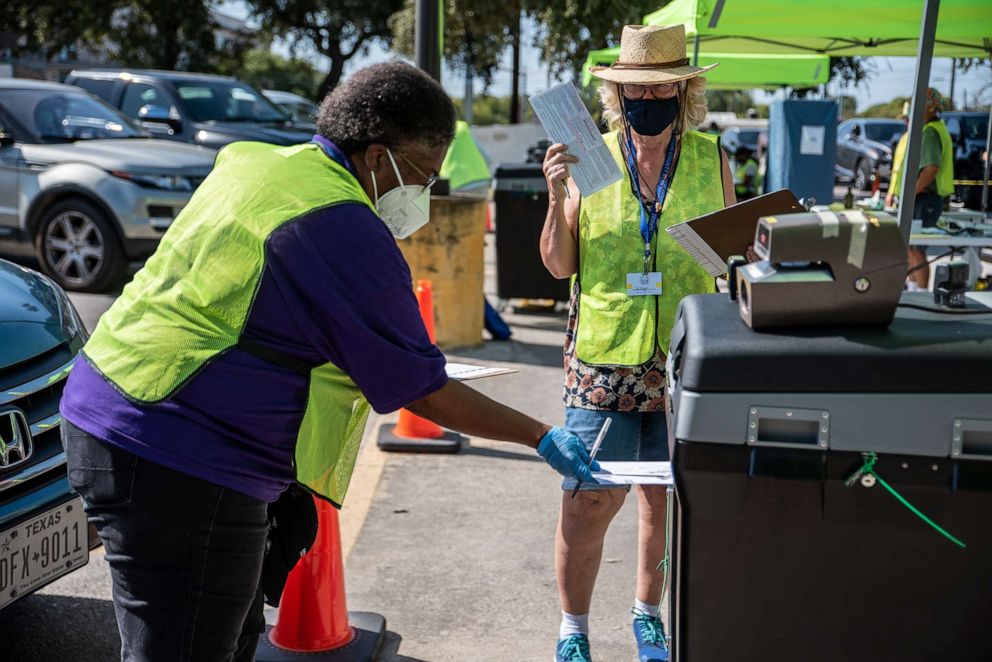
574, 649
649, 633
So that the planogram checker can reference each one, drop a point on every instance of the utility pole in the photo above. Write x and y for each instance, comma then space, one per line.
515, 85
469, 92
429, 36
954, 66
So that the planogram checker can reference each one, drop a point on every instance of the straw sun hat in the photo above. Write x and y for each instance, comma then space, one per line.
650, 54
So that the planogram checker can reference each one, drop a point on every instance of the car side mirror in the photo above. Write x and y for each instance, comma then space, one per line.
159, 115
6, 137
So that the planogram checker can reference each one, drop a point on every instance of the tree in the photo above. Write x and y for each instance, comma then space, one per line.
336, 29
892, 108
850, 70
164, 34
268, 71
48, 27
476, 32
569, 29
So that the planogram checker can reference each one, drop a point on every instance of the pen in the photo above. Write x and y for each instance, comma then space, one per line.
595, 449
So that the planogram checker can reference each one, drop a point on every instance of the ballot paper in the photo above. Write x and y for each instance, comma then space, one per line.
698, 249
461, 372
566, 120
634, 473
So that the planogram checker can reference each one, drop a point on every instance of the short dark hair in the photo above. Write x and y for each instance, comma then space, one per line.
387, 103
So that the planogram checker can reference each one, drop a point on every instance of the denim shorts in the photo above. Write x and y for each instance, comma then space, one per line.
632, 436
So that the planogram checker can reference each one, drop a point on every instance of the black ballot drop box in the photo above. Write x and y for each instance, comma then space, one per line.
521, 202
776, 559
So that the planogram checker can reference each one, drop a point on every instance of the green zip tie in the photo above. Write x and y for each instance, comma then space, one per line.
868, 468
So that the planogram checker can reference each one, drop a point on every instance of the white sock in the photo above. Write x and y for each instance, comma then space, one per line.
645, 608
573, 624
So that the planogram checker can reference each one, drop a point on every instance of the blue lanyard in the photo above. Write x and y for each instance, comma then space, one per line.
650, 214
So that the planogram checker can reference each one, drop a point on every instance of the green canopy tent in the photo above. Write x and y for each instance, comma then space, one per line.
834, 27
741, 71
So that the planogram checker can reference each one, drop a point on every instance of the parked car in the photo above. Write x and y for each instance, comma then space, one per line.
81, 187
969, 131
302, 111
754, 138
194, 108
864, 149
43, 530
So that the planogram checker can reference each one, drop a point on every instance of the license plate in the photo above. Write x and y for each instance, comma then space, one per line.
42, 549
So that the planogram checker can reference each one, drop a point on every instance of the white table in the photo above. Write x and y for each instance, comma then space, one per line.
970, 246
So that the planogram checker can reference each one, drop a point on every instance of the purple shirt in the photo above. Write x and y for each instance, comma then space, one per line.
335, 288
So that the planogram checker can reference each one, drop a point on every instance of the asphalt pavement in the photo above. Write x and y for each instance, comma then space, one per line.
455, 551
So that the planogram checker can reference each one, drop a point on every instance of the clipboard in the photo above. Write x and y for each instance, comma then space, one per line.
712, 238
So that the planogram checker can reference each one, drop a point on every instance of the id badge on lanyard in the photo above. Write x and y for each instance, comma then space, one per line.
645, 282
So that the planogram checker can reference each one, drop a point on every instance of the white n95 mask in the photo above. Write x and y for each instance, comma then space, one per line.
404, 209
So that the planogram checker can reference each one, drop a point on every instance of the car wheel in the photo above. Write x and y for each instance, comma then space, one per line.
78, 247
862, 176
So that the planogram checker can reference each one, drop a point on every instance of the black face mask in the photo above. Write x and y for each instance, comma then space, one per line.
649, 117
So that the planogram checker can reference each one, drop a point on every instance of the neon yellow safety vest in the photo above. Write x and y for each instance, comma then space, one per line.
615, 328
192, 299
945, 173
464, 163
898, 161
741, 174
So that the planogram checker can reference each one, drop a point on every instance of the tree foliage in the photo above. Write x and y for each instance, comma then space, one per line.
891, 108
48, 27
161, 34
476, 32
268, 71
569, 29
336, 29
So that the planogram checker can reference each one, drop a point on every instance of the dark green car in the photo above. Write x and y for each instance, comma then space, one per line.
43, 530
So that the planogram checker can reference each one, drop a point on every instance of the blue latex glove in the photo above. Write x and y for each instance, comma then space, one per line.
567, 455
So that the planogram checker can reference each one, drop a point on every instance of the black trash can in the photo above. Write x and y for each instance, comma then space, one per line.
521, 201
776, 558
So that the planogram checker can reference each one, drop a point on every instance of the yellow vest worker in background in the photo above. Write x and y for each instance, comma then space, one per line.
934, 182
465, 165
629, 278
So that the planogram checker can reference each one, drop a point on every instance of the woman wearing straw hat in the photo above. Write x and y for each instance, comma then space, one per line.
629, 276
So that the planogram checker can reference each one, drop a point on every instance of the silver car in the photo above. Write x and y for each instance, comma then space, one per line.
82, 187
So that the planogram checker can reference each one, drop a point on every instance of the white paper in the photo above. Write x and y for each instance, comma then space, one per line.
698, 250
461, 372
566, 120
634, 473
811, 140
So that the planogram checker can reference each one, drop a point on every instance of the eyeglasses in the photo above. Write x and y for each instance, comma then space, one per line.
658, 91
429, 180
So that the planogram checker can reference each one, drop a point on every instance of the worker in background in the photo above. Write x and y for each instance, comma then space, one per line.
934, 182
898, 159
747, 180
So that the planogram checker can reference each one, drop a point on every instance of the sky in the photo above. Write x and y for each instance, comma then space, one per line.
892, 76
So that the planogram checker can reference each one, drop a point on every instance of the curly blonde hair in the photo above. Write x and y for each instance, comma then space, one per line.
692, 92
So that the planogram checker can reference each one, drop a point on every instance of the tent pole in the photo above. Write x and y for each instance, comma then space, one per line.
695, 50
988, 158
917, 113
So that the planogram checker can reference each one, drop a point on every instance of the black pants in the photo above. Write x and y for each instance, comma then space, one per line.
185, 555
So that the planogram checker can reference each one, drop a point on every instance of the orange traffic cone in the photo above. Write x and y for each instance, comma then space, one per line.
412, 433
314, 622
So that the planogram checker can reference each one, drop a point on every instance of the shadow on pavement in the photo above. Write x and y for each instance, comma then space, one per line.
504, 455
512, 351
87, 630
390, 647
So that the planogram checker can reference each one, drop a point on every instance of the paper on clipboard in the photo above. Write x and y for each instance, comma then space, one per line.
634, 473
462, 372
566, 120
